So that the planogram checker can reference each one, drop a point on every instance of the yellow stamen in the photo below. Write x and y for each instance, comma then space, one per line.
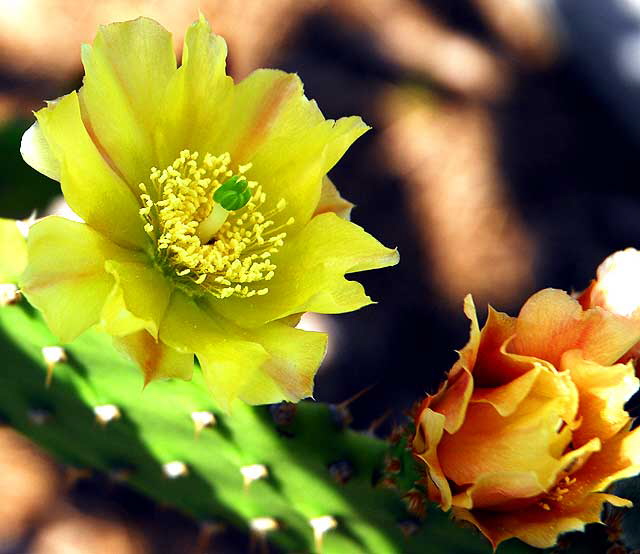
202, 245
558, 493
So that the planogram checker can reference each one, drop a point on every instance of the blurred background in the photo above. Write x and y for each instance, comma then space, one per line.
502, 160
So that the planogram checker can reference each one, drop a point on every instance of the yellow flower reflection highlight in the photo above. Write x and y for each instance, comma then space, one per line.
210, 224
529, 429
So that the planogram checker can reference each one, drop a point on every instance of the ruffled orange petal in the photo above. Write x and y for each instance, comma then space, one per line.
499, 490
551, 323
507, 398
492, 368
619, 458
453, 402
530, 439
604, 390
468, 355
429, 431
581, 502
536, 526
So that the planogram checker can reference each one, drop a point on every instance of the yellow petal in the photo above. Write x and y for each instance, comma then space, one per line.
295, 356
332, 201
90, 186
286, 138
197, 105
13, 251
227, 362
65, 278
138, 300
155, 359
604, 391
35, 150
297, 176
127, 71
310, 274
269, 104
273, 363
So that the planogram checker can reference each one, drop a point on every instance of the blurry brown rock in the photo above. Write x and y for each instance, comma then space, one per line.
70, 532
29, 486
473, 240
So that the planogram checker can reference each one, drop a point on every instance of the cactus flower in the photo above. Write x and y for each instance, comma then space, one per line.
210, 223
529, 429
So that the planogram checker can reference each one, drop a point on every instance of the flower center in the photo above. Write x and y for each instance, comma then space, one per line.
557, 493
206, 242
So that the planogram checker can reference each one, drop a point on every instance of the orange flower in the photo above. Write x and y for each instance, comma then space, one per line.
529, 429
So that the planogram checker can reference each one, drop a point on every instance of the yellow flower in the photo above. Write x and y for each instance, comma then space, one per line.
210, 224
529, 429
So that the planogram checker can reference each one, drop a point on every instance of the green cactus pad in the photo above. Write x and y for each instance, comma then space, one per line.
314, 468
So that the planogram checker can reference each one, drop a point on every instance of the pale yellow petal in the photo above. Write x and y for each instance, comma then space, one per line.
13, 251
66, 278
35, 150
138, 300
197, 106
155, 359
90, 186
127, 68
332, 201
310, 274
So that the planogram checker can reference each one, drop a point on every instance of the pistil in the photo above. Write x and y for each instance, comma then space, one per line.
232, 195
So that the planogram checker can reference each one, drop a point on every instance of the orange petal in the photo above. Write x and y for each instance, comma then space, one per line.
492, 367
534, 525
551, 323
581, 504
452, 402
619, 458
604, 390
507, 398
429, 430
500, 489
467, 356
528, 440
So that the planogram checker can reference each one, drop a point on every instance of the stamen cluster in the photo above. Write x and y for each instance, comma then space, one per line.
557, 493
237, 259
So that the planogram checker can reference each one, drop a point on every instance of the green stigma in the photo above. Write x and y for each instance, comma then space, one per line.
233, 194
